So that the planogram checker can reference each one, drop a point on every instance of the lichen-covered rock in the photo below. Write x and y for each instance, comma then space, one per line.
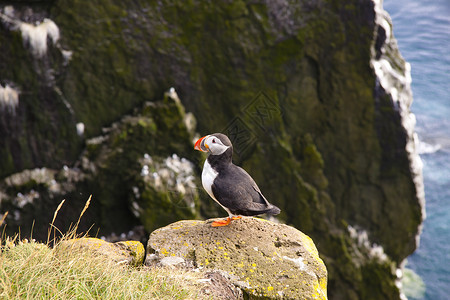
126, 252
265, 259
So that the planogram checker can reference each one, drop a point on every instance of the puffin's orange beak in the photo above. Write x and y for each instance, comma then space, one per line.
198, 145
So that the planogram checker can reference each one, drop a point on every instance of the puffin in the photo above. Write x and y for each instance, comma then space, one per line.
230, 185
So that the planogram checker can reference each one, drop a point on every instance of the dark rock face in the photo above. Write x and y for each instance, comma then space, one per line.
131, 170
39, 129
313, 94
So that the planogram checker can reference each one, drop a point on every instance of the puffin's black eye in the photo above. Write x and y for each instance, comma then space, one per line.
214, 140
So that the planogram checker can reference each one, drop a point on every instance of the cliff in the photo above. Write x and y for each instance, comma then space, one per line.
319, 87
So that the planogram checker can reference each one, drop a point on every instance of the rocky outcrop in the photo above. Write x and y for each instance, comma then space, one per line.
140, 171
127, 252
313, 94
263, 258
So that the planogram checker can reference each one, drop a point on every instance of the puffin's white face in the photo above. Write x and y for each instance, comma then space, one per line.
215, 145
211, 144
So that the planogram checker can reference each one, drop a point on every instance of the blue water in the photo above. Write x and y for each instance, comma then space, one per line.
422, 30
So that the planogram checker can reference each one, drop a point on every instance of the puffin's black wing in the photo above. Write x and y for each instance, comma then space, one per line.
238, 192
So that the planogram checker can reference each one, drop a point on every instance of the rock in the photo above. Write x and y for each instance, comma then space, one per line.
151, 147
263, 258
172, 261
218, 285
31, 196
127, 252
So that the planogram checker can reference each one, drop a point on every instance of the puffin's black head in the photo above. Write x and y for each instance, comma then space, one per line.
216, 144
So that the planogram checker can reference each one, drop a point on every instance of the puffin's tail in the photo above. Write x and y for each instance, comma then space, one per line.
273, 210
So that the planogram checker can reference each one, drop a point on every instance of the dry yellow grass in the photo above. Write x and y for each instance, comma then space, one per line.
31, 270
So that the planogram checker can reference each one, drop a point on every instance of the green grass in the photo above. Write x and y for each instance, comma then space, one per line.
31, 270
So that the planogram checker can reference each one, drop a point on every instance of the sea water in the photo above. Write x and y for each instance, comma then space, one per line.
422, 30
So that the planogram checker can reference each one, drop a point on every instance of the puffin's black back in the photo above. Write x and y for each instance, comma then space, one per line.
234, 188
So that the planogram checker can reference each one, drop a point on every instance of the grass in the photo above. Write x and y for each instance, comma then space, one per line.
33, 270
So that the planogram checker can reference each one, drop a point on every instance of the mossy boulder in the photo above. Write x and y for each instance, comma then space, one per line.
265, 259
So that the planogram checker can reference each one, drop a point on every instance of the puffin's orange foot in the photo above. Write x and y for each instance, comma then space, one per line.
221, 222
225, 222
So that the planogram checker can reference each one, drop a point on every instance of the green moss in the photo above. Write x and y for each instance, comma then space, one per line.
162, 208
378, 279
7, 163
157, 130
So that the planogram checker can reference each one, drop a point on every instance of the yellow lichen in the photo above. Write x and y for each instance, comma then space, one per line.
311, 248
136, 250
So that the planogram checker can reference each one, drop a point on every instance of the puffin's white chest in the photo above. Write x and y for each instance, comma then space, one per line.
208, 176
